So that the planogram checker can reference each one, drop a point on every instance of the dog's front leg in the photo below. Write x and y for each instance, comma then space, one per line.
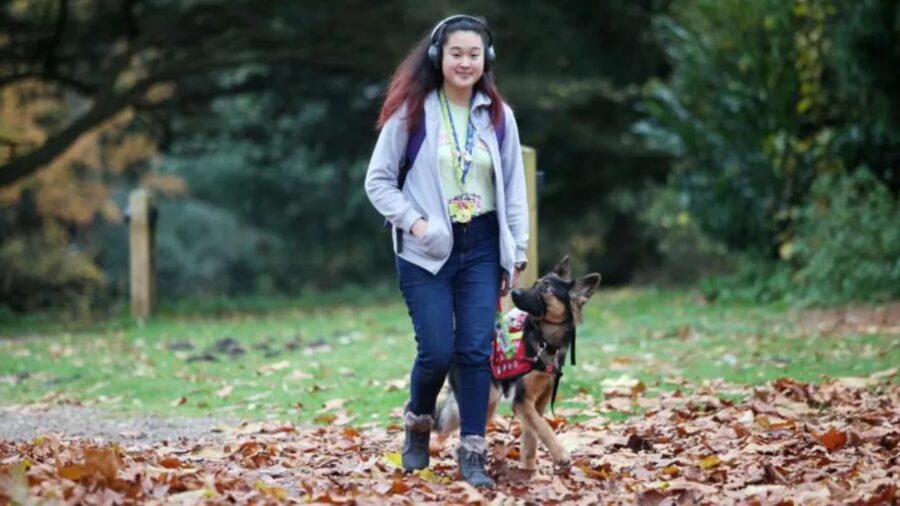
528, 455
535, 423
538, 388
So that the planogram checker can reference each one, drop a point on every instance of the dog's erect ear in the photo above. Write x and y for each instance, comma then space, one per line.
584, 288
563, 268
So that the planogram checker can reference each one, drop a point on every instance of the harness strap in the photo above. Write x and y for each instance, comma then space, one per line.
556, 382
573, 346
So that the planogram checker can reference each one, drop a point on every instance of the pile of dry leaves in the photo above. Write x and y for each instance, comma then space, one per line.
787, 443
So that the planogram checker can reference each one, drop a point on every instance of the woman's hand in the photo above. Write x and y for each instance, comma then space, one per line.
418, 228
505, 286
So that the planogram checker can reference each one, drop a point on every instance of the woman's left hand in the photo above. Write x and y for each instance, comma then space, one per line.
505, 286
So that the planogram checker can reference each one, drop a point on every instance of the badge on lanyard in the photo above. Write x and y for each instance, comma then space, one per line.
463, 207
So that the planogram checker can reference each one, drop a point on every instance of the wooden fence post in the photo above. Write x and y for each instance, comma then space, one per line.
142, 253
529, 275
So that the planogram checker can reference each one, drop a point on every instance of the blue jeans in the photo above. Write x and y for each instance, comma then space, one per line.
464, 292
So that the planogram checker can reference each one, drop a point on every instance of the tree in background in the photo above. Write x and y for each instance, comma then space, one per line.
765, 99
49, 220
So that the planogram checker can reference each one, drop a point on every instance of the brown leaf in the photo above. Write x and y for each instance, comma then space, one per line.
398, 487
104, 461
74, 472
170, 462
740, 430
637, 443
350, 432
832, 440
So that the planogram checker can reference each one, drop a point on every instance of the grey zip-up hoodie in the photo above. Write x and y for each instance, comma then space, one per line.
422, 195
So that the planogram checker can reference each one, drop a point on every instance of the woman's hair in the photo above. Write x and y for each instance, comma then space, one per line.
416, 77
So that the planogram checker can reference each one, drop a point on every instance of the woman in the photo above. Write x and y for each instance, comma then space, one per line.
460, 221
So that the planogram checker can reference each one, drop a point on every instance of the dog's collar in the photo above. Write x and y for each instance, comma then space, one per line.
544, 319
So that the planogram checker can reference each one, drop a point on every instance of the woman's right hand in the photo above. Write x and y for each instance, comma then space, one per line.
418, 228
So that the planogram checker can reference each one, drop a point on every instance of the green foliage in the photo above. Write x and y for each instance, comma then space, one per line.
686, 253
297, 220
752, 280
766, 100
847, 247
730, 114
43, 269
848, 242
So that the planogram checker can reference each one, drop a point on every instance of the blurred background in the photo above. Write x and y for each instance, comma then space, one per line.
749, 148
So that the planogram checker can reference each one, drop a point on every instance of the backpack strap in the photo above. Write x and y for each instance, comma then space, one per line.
413, 145
500, 128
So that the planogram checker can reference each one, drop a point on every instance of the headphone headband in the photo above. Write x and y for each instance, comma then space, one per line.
443, 22
434, 46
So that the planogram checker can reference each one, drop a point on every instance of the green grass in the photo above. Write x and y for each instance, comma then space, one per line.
361, 352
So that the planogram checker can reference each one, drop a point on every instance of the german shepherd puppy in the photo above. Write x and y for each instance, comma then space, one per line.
554, 307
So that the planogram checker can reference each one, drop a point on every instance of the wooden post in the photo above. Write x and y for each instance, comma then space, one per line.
142, 254
529, 275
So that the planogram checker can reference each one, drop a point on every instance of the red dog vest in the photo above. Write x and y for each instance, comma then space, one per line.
508, 358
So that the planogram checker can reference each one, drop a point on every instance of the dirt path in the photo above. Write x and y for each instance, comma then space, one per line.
24, 423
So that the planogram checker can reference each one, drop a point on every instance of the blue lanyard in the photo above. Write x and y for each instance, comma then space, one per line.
463, 162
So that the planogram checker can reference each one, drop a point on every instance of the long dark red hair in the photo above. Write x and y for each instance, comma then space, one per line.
416, 77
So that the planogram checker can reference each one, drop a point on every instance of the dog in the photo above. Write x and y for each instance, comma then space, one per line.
553, 306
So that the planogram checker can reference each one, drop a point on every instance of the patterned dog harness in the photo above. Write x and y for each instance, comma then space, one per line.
508, 356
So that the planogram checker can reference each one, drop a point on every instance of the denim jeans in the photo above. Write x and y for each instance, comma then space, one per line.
453, 315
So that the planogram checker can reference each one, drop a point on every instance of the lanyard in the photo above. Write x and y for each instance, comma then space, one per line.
462, 160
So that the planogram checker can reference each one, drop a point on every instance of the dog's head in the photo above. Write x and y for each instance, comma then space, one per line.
556, 297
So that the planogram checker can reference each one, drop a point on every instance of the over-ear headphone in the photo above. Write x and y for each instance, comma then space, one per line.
434, 49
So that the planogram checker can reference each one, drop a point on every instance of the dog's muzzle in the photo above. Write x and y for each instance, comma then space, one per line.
530, 302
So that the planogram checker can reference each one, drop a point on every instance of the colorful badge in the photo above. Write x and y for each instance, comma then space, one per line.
464, 207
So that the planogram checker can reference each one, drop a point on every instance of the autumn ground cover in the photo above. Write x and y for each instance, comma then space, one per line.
672, 400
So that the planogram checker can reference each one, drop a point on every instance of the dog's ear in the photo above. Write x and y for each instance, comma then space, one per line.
563, 269
584, 288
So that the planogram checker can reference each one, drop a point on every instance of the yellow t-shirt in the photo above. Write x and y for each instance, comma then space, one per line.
480, 179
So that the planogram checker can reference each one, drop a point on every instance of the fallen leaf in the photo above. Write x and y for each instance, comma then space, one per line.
832, 440
709, 462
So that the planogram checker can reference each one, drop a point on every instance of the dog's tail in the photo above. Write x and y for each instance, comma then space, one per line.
446, 414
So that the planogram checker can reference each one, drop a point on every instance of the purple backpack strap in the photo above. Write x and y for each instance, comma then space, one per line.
412, 150
500, 129
413, 144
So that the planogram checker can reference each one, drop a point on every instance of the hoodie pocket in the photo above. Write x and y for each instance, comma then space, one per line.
436, 243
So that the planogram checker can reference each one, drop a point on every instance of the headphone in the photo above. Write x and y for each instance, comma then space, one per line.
434, 49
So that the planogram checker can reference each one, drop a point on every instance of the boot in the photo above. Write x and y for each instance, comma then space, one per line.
472, 456
415, 446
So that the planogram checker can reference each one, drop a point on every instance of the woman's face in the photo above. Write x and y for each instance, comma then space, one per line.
463, 59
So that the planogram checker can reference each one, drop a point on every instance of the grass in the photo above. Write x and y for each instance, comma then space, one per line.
301, 354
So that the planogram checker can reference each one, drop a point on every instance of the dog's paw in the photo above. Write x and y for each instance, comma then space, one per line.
563, 461
529, 464
562, 466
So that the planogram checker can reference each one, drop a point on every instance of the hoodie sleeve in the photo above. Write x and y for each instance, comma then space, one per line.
383, 172
514, 185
